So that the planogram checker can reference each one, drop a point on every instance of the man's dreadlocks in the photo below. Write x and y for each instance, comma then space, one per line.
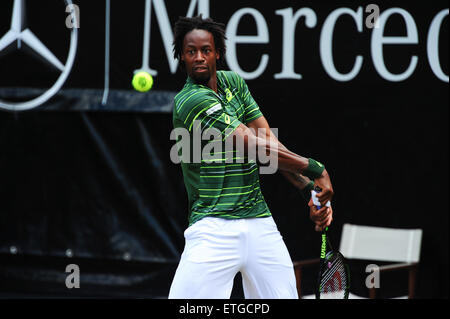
185, 25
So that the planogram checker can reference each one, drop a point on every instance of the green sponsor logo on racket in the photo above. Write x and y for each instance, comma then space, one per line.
324, 246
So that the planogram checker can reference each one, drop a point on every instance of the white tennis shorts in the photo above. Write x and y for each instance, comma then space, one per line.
217, 249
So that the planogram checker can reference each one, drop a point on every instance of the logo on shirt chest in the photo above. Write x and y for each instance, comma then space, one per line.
227, 119
231, 102
228, 95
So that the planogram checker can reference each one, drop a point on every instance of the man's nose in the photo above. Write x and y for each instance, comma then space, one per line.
199, 56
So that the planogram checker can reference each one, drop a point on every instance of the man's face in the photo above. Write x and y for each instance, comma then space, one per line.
199, 55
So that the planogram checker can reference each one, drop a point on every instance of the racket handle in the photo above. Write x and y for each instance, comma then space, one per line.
315, 200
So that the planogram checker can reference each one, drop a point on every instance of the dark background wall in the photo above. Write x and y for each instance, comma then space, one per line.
101, 183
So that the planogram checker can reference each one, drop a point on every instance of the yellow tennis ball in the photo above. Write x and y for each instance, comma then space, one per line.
142, 81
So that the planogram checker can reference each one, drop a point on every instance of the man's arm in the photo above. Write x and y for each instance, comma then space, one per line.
321, 217
288, 161
302, 183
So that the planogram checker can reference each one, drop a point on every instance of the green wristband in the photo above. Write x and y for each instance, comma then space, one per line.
314, 169
306, 192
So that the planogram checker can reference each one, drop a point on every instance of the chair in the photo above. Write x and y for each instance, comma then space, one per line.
398, 246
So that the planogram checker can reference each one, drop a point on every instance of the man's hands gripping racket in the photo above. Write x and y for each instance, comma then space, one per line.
333, 280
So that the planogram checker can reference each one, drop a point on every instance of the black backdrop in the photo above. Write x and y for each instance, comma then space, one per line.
98, 180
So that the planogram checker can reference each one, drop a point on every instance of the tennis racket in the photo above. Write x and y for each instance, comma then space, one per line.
333, 280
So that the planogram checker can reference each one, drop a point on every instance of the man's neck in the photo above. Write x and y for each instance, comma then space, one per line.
212, 83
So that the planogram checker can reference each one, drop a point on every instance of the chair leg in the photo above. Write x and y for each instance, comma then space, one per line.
412, 282
372, 293
298, 276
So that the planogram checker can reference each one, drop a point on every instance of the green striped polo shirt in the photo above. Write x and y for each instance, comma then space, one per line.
223, 183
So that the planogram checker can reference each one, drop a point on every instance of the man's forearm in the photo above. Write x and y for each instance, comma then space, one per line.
302, 183
254, 145
285, 159
298, 180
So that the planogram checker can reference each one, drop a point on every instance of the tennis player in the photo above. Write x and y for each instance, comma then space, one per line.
231, 228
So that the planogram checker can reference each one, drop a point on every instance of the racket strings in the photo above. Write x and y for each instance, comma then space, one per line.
334, 283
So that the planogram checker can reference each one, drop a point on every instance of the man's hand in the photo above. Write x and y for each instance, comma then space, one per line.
327, 189
321, 217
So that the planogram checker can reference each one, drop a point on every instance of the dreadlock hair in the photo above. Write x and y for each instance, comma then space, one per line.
185, 25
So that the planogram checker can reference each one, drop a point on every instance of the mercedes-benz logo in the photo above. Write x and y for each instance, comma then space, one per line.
18, 32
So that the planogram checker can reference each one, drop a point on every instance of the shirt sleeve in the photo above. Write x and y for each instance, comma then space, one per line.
251, 108
200, 109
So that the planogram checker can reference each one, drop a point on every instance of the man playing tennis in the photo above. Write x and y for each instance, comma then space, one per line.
231, 229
